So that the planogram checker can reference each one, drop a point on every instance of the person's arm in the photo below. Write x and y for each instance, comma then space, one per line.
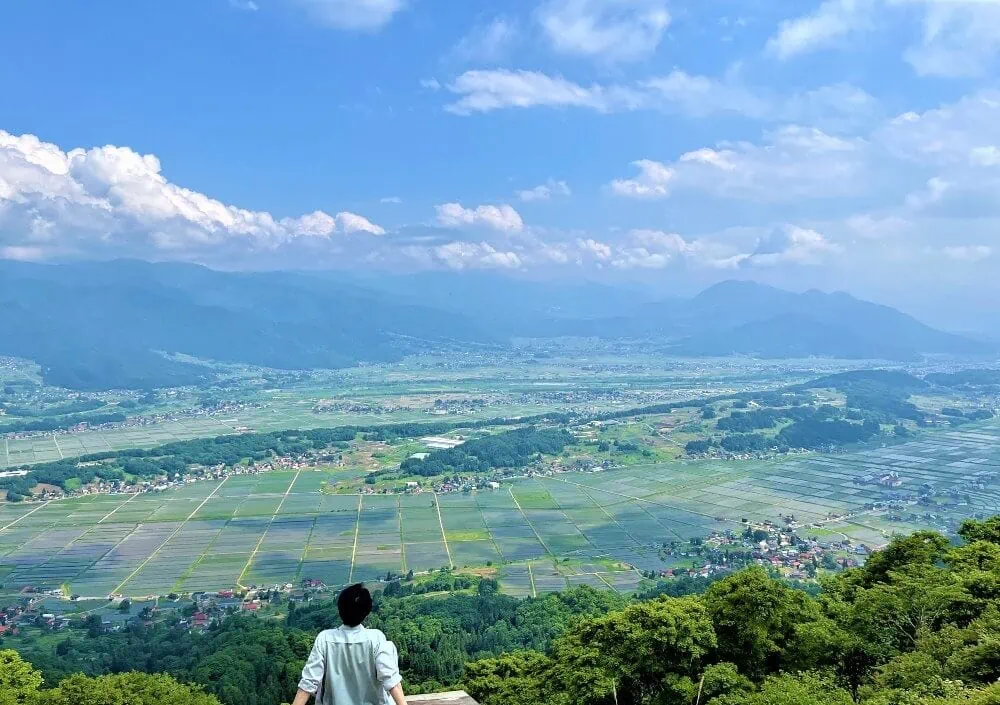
312, 674
397, 695
387, 665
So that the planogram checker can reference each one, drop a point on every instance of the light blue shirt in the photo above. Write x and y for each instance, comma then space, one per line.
351, 666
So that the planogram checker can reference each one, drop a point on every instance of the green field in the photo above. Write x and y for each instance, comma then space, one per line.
544, 533
514, 385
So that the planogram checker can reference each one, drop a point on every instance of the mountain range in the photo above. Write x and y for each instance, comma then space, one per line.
97, 325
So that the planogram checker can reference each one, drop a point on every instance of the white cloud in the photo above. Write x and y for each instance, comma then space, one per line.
489, 42
246, 5
546, 191
364, 15
831, 21
431, 84
598, 250
391, 200
652, 182
115, 200
874, 227
353, 223
612, 30
950, 135
985, 156
502, 218
791, 244
699, 95
484, 91
967, 253
958, 37
794, 162
470, 255
678, 92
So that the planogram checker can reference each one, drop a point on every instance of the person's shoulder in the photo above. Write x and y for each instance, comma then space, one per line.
376, 634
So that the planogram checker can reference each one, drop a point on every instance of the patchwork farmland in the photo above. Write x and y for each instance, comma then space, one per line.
543, 534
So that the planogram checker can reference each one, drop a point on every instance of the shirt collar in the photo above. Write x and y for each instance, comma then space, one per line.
352, 630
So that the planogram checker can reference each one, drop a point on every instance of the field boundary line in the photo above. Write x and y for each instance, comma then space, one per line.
621, 526
402, 545
190, 570
56, 441
657, 520
357, 530
305, 549
637, 499
576, 526
6, 452
109, 514
489, 532
260, 541
104, 555
604, 580
530, 525
531, 581
174, 533
444, 537
27, 514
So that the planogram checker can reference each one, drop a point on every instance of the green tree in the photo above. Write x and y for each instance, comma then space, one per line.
640, 646
18, 679
988, 530
800, 689
516, 678
124, 689
923, 548
754, 617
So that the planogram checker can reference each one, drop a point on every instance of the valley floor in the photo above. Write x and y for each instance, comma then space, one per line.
539, 534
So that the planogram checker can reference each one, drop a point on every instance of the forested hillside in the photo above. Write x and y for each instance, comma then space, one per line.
103, 325
919, 624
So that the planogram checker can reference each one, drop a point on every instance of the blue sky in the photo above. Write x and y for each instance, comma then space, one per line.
851, 144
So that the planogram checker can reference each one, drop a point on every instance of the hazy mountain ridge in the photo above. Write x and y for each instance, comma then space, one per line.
98, 325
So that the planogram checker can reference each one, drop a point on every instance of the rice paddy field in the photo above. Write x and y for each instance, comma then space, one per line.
543, 534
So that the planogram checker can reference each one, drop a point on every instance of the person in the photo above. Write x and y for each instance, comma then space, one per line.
352, 665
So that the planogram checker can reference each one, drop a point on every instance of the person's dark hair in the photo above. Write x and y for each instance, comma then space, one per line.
354, 605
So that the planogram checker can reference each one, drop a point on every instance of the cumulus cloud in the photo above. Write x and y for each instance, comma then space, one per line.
353, 223
114, 200
611, 30
597, 250
502, 218
791, 244
651, 183
791, 163
546, 191
366, 15
470, 255
390, 200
